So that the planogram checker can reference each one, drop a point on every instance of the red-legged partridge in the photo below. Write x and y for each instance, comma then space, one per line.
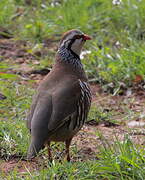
62, 102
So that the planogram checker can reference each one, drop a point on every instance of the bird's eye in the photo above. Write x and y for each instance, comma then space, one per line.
78, 36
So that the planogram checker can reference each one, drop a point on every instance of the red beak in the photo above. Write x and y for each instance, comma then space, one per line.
86, 37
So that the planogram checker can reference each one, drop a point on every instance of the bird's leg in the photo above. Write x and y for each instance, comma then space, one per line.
49, 151
67, 144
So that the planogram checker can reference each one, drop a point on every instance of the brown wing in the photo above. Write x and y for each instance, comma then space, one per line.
64, 104
51, 110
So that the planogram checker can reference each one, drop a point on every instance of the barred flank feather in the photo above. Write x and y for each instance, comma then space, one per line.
84, 103
83, 107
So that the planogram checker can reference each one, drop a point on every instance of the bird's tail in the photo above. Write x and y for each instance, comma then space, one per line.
34, 148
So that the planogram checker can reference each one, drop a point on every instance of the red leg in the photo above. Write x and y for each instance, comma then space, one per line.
49, 151
67, 144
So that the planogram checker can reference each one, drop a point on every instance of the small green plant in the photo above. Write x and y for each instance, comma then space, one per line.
99, 114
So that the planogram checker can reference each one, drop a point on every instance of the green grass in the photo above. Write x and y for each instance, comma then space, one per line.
12, 119
122, 160
116, 66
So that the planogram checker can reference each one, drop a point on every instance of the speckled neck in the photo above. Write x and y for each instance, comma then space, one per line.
69, 57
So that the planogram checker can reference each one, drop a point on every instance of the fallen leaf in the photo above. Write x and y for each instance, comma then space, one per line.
138, 78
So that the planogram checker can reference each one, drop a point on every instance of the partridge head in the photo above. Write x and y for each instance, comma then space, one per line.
74, 40
62, 102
